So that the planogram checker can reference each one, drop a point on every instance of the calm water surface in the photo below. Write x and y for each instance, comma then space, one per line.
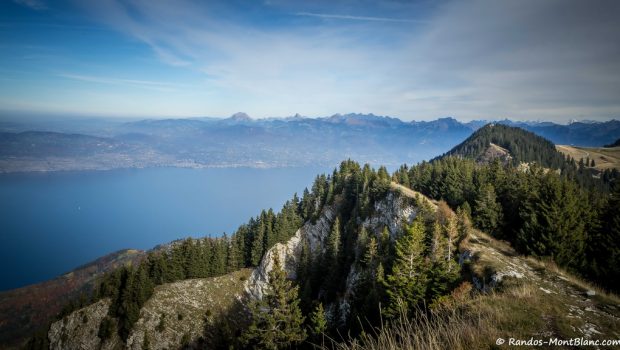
51, 223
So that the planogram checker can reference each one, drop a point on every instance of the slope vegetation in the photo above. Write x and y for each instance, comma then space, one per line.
603, 157
178, 314
510, 297
37, 304
522, 146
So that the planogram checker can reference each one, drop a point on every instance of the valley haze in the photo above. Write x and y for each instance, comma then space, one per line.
240, 141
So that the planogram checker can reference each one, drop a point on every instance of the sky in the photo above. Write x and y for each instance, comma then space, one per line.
552, 60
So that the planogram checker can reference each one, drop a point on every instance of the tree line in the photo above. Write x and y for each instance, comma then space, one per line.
540, 211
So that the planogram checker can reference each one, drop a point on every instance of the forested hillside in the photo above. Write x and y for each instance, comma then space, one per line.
542, 213
524, 146
363, 269
527, 148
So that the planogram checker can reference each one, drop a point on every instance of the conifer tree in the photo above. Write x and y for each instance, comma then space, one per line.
318, 321
487, 211
553, 223
257, 245
452, 232
276, 318
406, 284
331, 258
233, 260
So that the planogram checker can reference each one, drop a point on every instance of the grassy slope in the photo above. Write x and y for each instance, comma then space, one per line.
604, 158
186, 308
521, 298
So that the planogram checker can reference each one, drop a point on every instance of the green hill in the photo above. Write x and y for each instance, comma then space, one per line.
516, 147
523, 146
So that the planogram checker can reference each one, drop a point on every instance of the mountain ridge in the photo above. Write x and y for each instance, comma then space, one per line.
242, 141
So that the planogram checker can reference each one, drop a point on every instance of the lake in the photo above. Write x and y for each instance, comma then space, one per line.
51, 223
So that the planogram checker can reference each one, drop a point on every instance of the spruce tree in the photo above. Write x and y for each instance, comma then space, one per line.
331, 258
257, 245
276, 318
406, 284
318, 322
487, 211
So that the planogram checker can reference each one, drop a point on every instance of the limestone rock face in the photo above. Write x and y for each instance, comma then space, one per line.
393, 212
288, 254
79, 329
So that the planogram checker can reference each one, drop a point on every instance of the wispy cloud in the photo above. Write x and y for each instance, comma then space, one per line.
358, 18
37, 5
156, 85
553, 59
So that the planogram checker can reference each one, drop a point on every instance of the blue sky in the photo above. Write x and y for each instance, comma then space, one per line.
481, 59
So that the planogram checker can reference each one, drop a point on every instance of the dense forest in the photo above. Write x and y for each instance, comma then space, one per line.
542, 212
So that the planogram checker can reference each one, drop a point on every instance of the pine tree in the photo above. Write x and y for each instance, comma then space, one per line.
464, 221
233, 260
406, 284
276, 318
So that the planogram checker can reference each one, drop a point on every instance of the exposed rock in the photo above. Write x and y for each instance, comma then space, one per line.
288, 254
495, 152
79, 329
393, 212
185, 308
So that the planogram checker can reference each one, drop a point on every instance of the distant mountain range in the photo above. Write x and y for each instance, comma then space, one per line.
242, 141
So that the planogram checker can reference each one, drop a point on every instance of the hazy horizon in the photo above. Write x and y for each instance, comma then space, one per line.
30, 116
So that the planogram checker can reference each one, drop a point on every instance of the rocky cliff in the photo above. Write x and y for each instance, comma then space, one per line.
399, 207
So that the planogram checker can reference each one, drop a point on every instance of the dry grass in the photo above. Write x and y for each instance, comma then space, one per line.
576, 281
475, 322
448, 331
604, 158
412, 194
544, 302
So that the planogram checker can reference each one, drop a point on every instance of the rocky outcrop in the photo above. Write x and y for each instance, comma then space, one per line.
80, 329
494, 152
393, 212
288, 253
399, 207
176, 315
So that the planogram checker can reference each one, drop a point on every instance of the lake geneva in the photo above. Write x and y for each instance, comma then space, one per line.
51, 223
